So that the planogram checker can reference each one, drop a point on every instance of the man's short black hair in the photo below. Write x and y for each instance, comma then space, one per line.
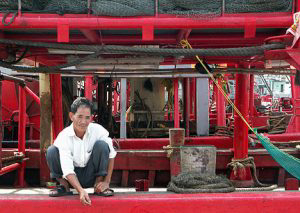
81, 102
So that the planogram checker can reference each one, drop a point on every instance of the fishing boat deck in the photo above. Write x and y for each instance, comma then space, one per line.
156, 200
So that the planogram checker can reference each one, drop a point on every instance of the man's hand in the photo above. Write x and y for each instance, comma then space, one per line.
84, 198
101, 186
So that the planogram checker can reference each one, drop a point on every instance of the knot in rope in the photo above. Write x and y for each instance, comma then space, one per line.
241, 164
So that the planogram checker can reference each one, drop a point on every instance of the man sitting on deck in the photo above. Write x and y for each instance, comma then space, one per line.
82, 155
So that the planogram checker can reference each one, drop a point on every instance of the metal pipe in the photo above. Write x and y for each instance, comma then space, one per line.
1, 130
56, 88
9, 168
240, 128
220, 104
123, 108
33, 95
115, 98
22, 120
77, 21
251, 98
22, 134
176, 104
12, 78
187, 97
88, 87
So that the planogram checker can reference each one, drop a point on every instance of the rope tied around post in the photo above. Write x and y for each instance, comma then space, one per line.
241, 164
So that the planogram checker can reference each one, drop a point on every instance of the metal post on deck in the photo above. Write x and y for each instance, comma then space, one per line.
202, 99
241, 177
1, 133
45, 125
220, 104
251, 98
56, 88
88, 87
123, 108
187, 106
176, 104
192, 96
22, 134
115, 98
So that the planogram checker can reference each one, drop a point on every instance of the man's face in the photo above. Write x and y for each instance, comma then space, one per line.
81, 119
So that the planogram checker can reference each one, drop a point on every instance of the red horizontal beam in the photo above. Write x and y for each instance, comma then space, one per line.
9, 168
158, 202
51, 21
211, 40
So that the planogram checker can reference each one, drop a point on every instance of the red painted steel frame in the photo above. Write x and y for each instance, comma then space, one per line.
220, 103
33, 95
240, 139
56, 88
52, 21
1, 130
251, 98
10, 168
176, 104
240, 128
164, 203
21, 134
88, 87
187, 103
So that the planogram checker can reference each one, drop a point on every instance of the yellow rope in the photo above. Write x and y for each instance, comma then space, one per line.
186, 44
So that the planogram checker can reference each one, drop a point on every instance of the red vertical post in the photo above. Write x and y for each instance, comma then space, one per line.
176, 104
251, 98
21, 133
241, 177
296, 107
115, 98
1, 133
192, 96
56, 88
187, 106
220, 104
88, 87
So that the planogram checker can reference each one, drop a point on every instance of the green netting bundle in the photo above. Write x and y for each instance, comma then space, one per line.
288, 162
67, 6
123, 8
27, 5
255, 6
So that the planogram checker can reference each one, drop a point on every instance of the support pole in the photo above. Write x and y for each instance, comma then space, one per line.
22, 135
123, 108
241, 177
115, 98
187, 102
45, 125
202, 106
220, 104
176, 104
1, 133
88, 87
251, 98
56, 88
192, 97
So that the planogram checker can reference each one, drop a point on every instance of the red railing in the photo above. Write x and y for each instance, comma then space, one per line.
21, 127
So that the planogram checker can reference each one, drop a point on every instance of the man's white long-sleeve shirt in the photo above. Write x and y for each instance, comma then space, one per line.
76, 152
